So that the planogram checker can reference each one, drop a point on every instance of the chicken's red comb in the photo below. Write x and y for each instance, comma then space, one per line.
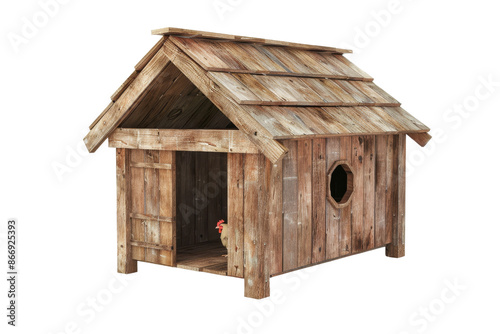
219, 225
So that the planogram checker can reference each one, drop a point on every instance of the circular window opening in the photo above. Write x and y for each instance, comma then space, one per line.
341, 184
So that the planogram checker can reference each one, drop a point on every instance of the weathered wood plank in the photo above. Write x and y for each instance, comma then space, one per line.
167, 203
161, 248
126, 264
319, 188
275, 216
230, 141
358, 195
124, 105
151, 205
380, 189
333, 150
151, 53
170, 31
151, 217
421, 138
304, 179
150, 165
397, 247
254, 130
235, 165
256, 253
369, 193
391, 195
124, 86
137, 202
290, 213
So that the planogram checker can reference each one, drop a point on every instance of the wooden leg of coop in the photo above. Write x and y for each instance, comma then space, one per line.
256, 231
397, 247
126, 264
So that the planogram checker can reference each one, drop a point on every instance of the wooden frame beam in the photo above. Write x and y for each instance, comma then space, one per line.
228, 141
397, 246
126, 264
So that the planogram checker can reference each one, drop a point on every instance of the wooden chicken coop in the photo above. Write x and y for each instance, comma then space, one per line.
292, 145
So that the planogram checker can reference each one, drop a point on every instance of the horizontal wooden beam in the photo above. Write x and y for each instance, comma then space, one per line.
229, 141
151, 245
421, 138
151, 217
150, 165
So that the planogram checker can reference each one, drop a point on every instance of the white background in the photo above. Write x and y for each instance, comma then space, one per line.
431, 55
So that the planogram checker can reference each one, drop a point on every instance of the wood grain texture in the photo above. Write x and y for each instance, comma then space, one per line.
123, 106
256, 255
137, 202
420, 138
235, 174
151, 206
171, 31
231, 141
304, 180
255, 131
126, 264
381, 169
369, 193
319, 188
167, 203
290, 207
358, 197
397, 246
275, 216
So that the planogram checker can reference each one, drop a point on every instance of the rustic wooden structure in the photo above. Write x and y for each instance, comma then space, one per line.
292, 144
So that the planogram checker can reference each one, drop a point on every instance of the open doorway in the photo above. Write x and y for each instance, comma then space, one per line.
201, 202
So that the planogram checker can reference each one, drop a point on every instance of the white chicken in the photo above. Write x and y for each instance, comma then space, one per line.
222, 227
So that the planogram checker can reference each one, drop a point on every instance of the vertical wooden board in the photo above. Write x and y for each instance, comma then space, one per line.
137, 201
345, 213
167, 188
214, 195
186, 209
333, 149
275, 216
319, 201
290, 213
201, 200
124, 225
151, 205
235, 204
380, 189
304, 179
397, 247
255, 228
358, 195
391, 195
369, 193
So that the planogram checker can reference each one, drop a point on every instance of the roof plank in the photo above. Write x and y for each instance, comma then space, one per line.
258, 134
210, 35
122, 107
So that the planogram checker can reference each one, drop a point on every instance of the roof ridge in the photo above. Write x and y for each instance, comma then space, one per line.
180, 32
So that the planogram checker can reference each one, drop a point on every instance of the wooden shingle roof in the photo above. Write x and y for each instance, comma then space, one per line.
270, 90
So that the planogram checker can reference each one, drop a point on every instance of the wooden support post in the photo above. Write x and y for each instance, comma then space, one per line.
126, 264
256, 229
397, 247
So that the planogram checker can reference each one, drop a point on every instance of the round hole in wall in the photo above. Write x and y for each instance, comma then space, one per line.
340, 184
